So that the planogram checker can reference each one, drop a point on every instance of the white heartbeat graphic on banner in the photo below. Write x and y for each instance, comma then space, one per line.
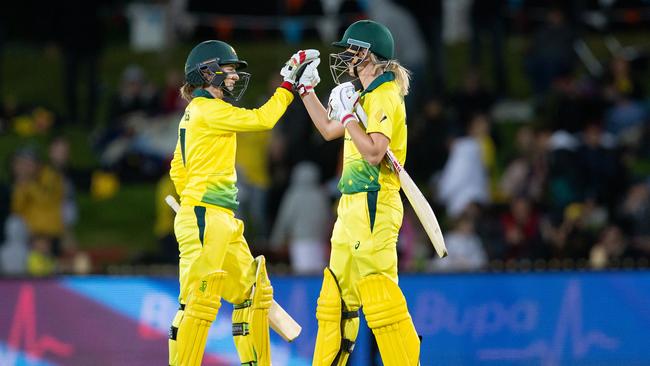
568, 328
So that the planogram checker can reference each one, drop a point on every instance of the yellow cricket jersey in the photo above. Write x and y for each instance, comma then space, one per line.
203, 167
387, 115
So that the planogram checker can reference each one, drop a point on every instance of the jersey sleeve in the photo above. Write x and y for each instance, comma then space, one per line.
223, 116
379, 119
178, 172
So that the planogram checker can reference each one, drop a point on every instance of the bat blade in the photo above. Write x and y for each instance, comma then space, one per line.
279, 320
282, 323
424, 212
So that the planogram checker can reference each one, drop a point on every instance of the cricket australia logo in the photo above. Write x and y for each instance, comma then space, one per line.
204, 285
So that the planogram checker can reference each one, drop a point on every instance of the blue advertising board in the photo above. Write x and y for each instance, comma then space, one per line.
564, 318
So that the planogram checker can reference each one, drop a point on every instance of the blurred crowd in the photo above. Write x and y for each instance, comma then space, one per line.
560, 179
38, 237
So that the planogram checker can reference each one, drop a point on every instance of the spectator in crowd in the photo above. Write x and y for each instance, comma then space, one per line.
41, 261
37, 197
59, 155
464, 179
634, 213
610, 249
487, 224
564, 185
602, 175
429, 140
570, 104
619, 81
465, 248
135, 96
626, 114
575, 236
480, 129
521, 229
550, 53
526, 174
14, 250
303, 220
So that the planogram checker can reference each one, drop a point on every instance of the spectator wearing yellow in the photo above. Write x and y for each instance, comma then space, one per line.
37, 197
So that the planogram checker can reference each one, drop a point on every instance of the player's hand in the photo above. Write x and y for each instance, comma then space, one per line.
299, 60
342, 101
309, 78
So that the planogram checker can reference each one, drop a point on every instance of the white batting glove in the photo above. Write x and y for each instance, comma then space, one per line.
333, 108
309, 78
343, 99
298, 60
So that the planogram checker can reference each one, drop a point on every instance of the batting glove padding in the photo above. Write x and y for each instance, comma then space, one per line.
309, 78
299, 59
342, 101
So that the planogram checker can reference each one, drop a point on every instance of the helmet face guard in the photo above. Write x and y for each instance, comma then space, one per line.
212, 73
341, 64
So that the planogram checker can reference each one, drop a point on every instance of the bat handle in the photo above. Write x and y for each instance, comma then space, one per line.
171, 201
397, 167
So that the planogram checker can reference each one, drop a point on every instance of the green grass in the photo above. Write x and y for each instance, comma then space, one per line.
124, 221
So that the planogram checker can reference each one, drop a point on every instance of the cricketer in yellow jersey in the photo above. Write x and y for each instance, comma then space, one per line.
362, 272
215, 260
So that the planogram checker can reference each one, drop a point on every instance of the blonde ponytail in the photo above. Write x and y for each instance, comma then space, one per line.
402, 76
186, 91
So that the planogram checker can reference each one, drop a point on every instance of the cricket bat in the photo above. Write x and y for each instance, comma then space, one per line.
279, 320
416, 198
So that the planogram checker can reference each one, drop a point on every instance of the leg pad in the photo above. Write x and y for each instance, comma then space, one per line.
385, 309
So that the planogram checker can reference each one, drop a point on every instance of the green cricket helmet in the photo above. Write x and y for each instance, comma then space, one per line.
360, 35
203, 66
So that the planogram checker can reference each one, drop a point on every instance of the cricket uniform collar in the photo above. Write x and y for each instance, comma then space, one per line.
202, 93
383, 78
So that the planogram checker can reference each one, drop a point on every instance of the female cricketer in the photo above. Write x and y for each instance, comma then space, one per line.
363, 264
215, 261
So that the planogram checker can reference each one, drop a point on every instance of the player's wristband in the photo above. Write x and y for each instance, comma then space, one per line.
305, 89
347, 119
287, 85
